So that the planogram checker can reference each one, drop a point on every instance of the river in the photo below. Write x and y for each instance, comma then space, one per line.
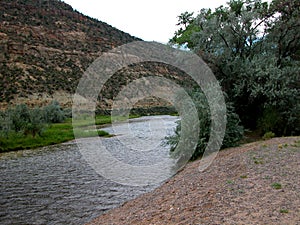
56, 185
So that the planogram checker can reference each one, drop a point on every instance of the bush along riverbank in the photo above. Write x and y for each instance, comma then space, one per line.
24, 128
234, 131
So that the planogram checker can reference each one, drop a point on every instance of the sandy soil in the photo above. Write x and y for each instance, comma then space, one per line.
257, 183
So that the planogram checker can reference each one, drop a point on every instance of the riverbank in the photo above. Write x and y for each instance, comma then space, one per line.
55, 133
256, 183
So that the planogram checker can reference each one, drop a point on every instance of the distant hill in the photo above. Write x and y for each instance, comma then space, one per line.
45, 46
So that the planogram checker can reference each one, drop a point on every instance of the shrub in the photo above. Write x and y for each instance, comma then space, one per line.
36, 124
276, 185
269, 121
233, 134
19, 116
21, 119
28, 121
6, 124
53, 113
67, 112
268, 135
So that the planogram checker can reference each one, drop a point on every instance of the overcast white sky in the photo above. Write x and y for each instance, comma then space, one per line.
150, 20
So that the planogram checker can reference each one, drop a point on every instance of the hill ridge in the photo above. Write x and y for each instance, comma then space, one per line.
47, 44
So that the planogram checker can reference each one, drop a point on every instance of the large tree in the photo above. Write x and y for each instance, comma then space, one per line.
254, 50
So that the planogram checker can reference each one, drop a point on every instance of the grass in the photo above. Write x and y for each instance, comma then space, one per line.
230, 182
54, 134
258, 160
99, 120
284, 211
276, 186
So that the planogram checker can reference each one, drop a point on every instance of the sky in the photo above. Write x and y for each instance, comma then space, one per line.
153, 20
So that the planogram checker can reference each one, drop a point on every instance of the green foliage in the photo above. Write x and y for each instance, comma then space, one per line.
53, 113
20, 117
186, 21
5, 124
234, 131
284, 211
37, 134
276, 185
26, 121
265, 94
268, 135
36, 123
230, 182
253, 48
22, 120
67, 113
269, 120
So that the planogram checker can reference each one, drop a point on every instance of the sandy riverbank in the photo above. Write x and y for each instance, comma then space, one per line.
257, 183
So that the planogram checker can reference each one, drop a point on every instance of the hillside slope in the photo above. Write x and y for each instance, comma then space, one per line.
45, 46
257, 183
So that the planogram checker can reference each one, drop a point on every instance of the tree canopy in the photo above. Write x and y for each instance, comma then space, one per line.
253, 48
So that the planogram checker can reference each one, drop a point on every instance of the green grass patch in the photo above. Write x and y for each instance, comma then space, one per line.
52, 134
276, 186
100, 120
230, 182
284, 211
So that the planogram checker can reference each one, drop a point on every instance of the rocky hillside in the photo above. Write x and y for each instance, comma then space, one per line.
45, 46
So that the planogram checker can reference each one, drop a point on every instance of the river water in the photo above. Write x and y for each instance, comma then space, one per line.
56, 185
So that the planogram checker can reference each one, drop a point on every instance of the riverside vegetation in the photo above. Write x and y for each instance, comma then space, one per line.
253, 48
23, 128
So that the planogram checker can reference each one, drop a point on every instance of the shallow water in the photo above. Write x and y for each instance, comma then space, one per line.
55, 185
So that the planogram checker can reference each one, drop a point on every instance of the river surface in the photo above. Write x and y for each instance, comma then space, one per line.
56, 185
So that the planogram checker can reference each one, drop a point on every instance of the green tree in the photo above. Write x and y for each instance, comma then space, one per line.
253, 48
187, 28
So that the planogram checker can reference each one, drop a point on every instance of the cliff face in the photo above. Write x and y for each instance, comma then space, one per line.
45, 46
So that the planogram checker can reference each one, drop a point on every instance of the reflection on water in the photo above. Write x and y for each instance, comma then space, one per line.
54, 185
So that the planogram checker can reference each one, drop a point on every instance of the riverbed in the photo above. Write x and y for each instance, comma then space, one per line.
56, 185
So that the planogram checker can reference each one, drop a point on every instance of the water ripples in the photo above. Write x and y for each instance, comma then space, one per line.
54, 185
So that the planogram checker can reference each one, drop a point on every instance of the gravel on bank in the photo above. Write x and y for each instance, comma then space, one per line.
257, 183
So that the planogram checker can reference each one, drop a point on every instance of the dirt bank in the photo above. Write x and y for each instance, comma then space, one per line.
257, 183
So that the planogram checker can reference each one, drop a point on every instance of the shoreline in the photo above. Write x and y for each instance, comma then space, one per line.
238, 188
58, 133
55, 133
